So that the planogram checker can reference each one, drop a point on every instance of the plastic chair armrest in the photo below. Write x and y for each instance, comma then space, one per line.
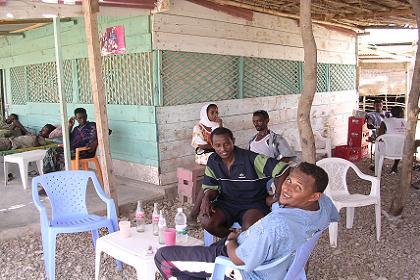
375, 187
110, 205
38, 204
225, 261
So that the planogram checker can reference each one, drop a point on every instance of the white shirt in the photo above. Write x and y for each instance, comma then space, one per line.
395, 125
261, 146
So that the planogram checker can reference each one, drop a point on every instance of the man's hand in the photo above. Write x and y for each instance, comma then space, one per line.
71, 122
233, 235
206, 207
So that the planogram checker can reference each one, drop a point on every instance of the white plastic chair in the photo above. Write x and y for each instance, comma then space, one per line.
296, 270
338, 192
388, 146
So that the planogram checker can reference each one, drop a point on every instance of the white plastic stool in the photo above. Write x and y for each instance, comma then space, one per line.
23, 160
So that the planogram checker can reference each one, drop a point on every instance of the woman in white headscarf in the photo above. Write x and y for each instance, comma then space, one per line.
201, 141
209, 120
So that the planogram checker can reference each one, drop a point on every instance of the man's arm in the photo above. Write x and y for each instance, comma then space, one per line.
211, 189
231, 246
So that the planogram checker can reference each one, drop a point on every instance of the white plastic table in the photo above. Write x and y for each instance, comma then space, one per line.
23, 159
132, 250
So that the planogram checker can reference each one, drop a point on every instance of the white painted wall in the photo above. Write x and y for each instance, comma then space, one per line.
190, 27
194, 28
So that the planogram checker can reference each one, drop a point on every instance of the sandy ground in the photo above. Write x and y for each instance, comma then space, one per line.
358, 255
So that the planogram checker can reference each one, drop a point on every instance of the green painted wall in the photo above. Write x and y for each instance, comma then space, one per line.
134, 136
133, 127
38, 45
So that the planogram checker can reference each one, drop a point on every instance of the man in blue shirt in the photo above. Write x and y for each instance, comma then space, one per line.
301, 211
235, 185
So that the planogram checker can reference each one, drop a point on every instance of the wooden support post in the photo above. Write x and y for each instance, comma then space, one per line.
398, 202
90, 10
309, 83
60, 79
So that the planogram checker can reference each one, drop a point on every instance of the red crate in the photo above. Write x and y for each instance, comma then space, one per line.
350, 153
356, 124
357, 139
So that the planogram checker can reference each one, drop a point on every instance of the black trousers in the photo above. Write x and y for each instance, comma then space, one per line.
189, 262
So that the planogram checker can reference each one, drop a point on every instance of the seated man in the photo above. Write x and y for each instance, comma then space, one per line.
11, 126
83, 135
266, 141
235, 185
301, 211
375, 118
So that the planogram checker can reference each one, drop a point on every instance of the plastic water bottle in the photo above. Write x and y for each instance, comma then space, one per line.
161, 227
139, 217
155, 219
181, 226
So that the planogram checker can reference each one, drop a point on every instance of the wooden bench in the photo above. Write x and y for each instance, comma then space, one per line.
190, 180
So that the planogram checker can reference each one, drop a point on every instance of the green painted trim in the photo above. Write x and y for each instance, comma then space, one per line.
241, 77
8, 89
38, 44
157, 78
26, 84
75, 80
300, 66
328, 77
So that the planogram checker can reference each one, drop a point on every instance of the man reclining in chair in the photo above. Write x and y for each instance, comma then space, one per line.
301, 211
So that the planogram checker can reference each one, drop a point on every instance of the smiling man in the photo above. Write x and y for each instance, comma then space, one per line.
266, 141
235, 185
301, 211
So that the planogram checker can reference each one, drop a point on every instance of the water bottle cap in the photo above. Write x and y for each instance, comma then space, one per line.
179, 210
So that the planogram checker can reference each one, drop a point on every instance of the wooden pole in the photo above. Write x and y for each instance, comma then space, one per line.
60, 77
90, 10
398, 201
309, 83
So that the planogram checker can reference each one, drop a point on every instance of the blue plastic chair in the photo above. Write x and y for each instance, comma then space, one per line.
66, 191
296, 270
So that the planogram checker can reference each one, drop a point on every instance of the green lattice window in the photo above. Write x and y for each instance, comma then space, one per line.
18, 85
128, 79
322, 78
42, 82
267, 77
343, 77
196, 77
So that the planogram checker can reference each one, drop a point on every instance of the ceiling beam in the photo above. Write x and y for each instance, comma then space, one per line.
28, 9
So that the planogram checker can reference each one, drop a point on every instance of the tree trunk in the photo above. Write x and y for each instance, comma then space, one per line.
309, 83
410, 134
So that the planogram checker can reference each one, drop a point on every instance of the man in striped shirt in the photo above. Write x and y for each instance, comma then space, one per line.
235, 185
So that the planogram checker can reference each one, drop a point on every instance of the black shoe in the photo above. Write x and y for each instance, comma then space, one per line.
42, 192
372, 167
10, 177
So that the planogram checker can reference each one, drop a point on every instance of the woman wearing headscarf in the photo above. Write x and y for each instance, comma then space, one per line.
209, 120
201, 141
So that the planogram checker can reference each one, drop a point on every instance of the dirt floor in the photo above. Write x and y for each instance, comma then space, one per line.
358, 255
